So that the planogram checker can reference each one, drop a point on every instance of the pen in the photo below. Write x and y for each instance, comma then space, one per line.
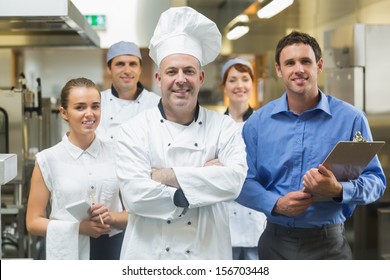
93, 203
101, 219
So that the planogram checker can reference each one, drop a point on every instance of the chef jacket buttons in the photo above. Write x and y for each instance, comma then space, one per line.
189, 223
200, 123
169, 144
168, 222
167, 249
161, 121
111, 118
196, 144
188, 251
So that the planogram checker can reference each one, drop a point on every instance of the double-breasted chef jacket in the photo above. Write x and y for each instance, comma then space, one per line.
157, 229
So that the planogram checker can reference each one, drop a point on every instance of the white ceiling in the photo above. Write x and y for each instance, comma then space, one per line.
303, 13
322, 10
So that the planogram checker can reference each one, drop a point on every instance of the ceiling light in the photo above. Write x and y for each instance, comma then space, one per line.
237, 31
274, 7
242, 18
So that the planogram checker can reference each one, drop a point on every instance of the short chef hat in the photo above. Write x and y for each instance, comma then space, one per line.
123, 48
234, 61
182, 30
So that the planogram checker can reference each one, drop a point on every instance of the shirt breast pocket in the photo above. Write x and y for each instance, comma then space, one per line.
108, 189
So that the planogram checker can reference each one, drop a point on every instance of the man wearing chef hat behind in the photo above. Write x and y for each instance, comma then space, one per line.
127, 95
178, 162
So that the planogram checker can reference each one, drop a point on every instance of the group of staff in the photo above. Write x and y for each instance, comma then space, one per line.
171, 179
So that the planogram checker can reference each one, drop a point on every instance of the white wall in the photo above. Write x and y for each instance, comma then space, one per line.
129, 20
56, 66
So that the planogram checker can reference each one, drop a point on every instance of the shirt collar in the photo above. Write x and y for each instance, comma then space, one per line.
246, 115
281, 105
76, 152
160, 107
140, 88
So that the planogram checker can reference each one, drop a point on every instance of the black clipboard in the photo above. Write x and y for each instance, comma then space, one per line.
348, 159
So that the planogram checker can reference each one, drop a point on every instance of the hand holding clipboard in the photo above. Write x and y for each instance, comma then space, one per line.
348, 159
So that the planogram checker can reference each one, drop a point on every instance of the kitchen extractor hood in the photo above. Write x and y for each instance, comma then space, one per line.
44, 23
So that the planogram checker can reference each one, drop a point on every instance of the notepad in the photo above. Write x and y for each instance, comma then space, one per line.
348, 159
79, 209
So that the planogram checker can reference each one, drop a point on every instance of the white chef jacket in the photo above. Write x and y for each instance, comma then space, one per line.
157, 229
246, 225
71, 175
115, 111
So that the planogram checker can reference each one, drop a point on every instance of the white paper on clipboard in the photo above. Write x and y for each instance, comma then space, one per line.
79, 209
348, 159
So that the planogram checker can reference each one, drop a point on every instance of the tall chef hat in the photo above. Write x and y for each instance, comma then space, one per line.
233, 61
123, 48
182, 30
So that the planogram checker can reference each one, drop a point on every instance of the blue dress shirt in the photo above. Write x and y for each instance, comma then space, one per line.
281, 146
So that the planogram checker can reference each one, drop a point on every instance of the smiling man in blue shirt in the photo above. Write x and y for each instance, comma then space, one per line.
286, 141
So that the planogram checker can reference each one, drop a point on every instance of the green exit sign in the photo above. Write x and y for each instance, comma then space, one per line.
97, 21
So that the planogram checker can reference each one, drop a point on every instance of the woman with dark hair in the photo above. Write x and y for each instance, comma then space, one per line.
246, 225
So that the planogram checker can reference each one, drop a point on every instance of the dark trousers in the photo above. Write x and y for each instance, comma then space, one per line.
105, 247
325, 243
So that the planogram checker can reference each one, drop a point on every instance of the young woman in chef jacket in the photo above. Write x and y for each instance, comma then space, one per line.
246, 225
79, 168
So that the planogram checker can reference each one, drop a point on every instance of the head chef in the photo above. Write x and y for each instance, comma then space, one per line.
183, 42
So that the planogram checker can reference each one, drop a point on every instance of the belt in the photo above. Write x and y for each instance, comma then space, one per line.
326, 231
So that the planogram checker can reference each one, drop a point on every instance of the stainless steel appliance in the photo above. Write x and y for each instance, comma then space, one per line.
44, 23
357, 64
8, 170
28, 124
